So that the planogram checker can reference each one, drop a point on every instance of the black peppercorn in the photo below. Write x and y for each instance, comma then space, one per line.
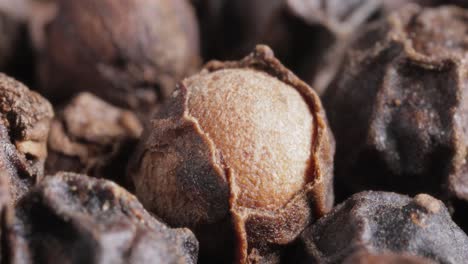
397, 107
72, 218
25, 119
129, 52
92, 137
379, 223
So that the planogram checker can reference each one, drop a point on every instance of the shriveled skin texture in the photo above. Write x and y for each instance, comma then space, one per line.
25, 118
386, 258
243, 112
408, 76
72, 218
333, 25
93, 137
222, 163
381, 222
131, 52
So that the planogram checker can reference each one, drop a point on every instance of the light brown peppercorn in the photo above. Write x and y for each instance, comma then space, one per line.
243, 148
130, 52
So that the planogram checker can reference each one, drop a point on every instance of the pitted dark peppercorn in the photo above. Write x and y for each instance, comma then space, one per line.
242, 148
25, 118
397, 108
381, 222
73, 218
130, 52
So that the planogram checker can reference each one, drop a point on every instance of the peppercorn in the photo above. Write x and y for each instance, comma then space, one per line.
381, 222
337, 24
92, 137
25, 119
130, 52
242, 148
72, 218
397, 107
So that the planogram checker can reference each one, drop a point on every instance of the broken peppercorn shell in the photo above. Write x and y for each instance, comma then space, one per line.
244, 148
92, 137
129, 52
73, 218
408, 75
25, 118
381, 222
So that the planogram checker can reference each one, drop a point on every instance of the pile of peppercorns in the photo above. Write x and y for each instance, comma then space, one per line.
317, 131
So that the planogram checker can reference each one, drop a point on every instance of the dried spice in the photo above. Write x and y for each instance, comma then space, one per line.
254, 162
380, 222
398, 105
129, 52
386, 258
92, 137
333, 26
72, 218
24, 126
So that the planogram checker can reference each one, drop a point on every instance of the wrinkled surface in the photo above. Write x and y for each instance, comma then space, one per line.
185, 159
243, 112
131, 52
397, 108
93, 137
379, 222
25, 119
72, 218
